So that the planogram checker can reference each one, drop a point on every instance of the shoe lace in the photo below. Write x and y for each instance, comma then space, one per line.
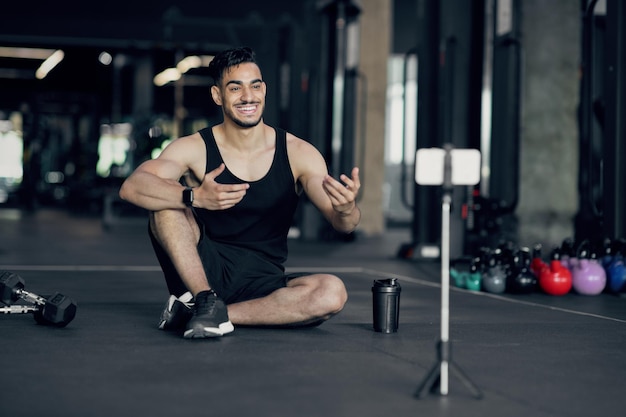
206, 306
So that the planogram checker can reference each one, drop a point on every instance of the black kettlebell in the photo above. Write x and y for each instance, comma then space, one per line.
522, 280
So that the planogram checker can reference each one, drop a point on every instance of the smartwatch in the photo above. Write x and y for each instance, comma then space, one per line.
188, 196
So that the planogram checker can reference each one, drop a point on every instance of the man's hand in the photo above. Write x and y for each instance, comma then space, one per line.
212, 195
343, 195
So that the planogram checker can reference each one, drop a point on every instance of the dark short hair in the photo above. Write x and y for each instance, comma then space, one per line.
229, 58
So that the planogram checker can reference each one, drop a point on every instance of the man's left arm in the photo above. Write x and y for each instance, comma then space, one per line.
334, 198
345, 214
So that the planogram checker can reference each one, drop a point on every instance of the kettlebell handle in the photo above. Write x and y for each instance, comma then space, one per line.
583, 250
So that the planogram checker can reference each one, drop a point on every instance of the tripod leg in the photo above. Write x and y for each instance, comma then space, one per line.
430, 381
465, 379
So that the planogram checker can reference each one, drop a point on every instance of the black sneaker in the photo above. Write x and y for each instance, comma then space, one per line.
210, 317
177, 312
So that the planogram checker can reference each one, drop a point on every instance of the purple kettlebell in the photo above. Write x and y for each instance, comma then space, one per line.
588, 276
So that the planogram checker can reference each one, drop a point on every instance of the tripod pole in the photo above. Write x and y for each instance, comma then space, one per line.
446, 202
445, 289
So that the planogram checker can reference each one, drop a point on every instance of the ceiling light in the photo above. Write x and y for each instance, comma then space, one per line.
105, 58
166, 76
25, 53
193, 61
51, 62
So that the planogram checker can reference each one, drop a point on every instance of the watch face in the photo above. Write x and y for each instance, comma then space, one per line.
188, 196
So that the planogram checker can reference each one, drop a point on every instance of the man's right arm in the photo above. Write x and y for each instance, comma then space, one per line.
153, 187
155, 184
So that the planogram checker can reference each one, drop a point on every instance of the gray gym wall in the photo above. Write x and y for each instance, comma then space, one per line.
549, 132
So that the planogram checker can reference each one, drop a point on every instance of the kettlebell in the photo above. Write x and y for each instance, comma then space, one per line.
458, 277
537, 264
615, 270
588, 276
467, 279
474, 277
568, 253
493, 277
608, 252
556, 279
522, 280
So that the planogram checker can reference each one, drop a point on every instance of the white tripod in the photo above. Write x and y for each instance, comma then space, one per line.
446, 167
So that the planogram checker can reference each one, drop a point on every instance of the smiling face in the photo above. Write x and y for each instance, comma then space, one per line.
241, 94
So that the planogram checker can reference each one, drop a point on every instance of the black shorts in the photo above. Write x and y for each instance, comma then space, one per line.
234, 273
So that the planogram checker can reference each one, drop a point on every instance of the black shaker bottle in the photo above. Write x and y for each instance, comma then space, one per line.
386, 305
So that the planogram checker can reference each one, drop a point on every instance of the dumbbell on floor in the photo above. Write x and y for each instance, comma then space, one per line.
58, 310
18, 309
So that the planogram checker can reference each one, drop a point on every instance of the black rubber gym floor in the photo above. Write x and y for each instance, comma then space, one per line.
530, 355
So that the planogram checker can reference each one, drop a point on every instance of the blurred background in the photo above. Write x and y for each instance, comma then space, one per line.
90, 90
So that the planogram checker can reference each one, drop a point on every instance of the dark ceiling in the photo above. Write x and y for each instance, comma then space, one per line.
139, 24
83, 29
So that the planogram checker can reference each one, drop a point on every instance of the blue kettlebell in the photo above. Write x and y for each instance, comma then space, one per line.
608, 249
615, 270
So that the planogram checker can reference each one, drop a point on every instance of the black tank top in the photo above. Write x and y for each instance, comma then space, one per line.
261, 221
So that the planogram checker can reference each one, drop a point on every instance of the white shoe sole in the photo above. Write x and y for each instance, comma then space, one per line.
206, 332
